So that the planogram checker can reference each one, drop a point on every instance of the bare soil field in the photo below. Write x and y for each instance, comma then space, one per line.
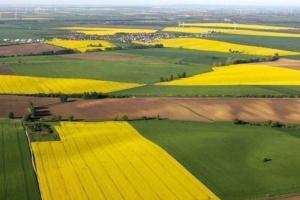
193, 109
4, 70
27, 49
19, 104
287, 63
291, 198
101, 56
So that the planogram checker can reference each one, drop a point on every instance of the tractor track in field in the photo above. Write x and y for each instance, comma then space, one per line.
196, 113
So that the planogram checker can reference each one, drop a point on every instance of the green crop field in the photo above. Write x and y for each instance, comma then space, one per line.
291, 44
148, 67
186, 55
28, 29
139, 71
229, 158
17, 177
214, 91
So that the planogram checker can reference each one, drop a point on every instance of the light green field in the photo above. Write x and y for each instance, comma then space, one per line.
290, 44
146, 65
186, 55
17, 177
136, 71
229, 158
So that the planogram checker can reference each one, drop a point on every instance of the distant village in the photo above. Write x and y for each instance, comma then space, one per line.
7, 41
141, 37
124, 38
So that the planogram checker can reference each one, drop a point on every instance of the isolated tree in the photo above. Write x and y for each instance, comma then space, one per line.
10, 115
125, 118
71, 118
26, 117
63, 98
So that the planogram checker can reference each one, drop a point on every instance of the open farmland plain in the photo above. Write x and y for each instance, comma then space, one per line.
231, 31
225, 47
166, 103
17, 178
108, 66
229, 158
129, 166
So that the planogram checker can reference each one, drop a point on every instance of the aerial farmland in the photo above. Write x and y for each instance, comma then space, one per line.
149, 102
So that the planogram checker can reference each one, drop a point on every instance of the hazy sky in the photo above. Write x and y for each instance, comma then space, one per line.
156, 2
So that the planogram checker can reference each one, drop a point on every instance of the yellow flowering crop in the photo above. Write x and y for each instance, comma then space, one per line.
112, 161
108, 31
82, 45
239, 26
244, 74
230, 31
218, 46
33, 85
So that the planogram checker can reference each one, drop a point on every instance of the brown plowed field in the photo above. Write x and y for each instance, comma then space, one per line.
19, 104
27, 49
287, 63
195, 109
291, 198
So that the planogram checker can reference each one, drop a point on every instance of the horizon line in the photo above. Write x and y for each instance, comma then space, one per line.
145, 5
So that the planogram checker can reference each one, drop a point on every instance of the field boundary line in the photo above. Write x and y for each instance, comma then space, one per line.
22, 162
32, 158
3, 153
194, 112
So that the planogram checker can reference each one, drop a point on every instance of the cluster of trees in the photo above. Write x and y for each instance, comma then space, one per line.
40, 127
135, 46
126, 118
234, 61
269, 123
165, 79
85, 95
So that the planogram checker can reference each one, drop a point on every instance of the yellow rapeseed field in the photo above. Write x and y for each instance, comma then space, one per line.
244, 74
108, 31
230, 31
218, 46
10, 84
240, 26
112, 161
82, 45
